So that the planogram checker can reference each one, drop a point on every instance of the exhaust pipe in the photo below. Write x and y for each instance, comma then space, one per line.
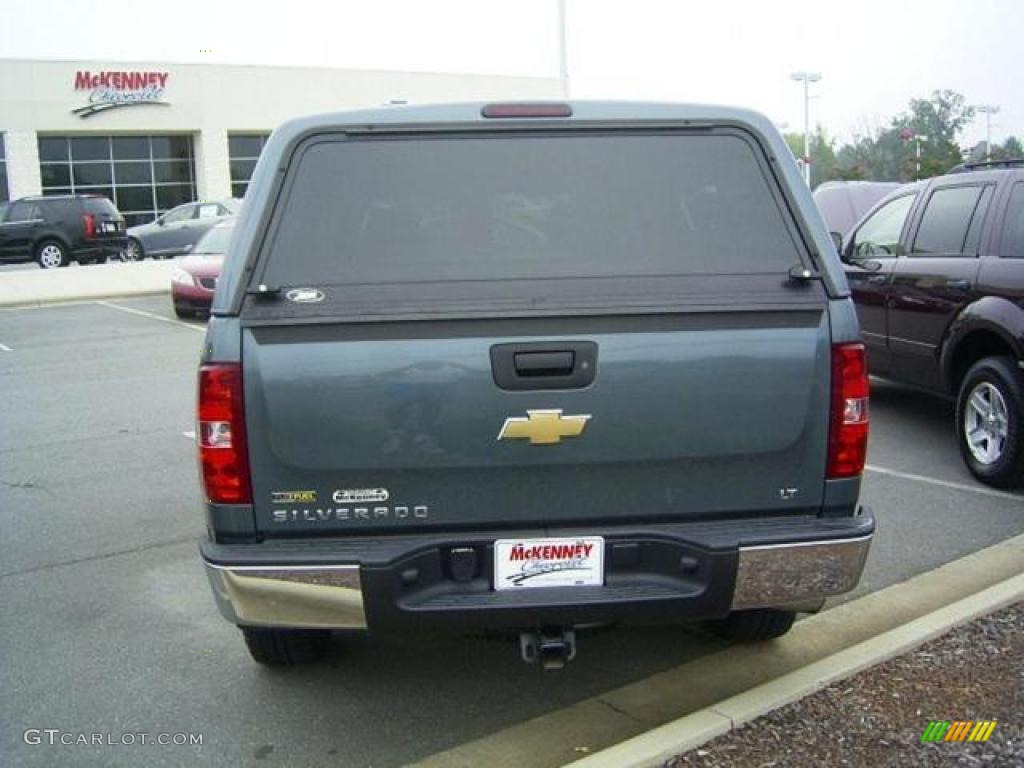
551, 647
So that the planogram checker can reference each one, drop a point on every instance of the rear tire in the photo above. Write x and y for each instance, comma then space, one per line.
753, 626
133, 251
50, 254
286, 647
992, 448
183, 313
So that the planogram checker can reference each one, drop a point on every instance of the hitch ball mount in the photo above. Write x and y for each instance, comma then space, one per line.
551, 648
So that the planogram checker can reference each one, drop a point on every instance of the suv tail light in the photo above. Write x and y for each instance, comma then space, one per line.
220, 434
90, 226
848, 422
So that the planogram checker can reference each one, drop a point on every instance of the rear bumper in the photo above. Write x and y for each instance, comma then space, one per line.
654, 574
96, 249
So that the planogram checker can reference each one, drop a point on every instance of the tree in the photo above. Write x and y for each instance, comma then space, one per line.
1010, 150
823, 156
890, 153
941, 118
876, 155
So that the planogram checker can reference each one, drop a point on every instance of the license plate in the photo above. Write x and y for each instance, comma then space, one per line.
108, 226
532, 563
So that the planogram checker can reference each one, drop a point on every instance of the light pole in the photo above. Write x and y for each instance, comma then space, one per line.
988, 110
563, 55
918, 138
807, 78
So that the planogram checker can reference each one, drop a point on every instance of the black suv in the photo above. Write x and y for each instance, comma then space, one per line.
937, 273
54, 231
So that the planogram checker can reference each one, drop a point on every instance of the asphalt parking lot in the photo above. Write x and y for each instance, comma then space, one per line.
109, 626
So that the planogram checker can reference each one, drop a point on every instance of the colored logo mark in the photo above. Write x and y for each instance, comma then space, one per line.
958, 730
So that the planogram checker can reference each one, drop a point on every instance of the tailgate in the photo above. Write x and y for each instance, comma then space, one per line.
686, 417
107, 221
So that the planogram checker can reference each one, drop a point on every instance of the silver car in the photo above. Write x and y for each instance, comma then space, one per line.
178, 230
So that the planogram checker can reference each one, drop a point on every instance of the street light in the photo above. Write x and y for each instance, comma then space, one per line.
988, 110
918, 138
807, 78
907, 134
563, 54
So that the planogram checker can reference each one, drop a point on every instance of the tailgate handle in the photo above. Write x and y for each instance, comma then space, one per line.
544, 363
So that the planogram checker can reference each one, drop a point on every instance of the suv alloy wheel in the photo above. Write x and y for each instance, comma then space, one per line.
989, 412
50, 254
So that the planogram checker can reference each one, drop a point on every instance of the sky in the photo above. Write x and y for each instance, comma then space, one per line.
873, 55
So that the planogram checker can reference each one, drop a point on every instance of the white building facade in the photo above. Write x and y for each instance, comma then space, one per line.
151, 136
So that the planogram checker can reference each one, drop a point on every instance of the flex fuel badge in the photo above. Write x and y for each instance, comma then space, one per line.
343, 495
293, 497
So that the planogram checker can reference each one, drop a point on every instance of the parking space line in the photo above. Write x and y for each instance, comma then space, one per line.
152, 316
979, 489
5, 348
47, 305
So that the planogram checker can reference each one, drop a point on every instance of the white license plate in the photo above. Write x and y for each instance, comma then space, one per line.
531, 563
108, 226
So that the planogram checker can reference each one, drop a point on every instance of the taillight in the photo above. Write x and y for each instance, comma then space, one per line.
220, 434
90, 226
848, 423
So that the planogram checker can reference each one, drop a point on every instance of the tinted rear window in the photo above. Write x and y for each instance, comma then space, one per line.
445, 209
98, 205
946, 219
1013, 228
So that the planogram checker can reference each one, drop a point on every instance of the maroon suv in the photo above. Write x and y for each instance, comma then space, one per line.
937, 273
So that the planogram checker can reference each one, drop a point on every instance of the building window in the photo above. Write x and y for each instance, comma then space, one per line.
244, 150
143, 175
4, 193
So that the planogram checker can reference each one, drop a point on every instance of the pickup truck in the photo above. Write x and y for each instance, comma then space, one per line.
528, 367
937, 274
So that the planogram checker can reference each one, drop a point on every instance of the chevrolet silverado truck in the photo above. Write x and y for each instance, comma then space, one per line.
529, 367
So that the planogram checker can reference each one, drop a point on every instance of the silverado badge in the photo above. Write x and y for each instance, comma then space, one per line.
546, 427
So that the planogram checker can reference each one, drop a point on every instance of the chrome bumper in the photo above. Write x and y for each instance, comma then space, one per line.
782, 575
290, 596
798, 576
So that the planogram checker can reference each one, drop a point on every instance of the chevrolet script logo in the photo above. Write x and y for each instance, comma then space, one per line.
543, 427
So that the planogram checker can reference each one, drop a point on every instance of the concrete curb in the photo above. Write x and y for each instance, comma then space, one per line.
41, 287
655, 747
689, 704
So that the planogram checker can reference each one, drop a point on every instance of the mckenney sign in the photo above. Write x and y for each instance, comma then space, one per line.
119, 88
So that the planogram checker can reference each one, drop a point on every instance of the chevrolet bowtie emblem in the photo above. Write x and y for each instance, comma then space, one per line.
543, 427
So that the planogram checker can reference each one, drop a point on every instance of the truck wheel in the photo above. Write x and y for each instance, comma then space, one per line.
989, 415
286, 647
754, 625
50, 254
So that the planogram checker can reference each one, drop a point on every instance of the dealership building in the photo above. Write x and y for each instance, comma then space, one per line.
151, 136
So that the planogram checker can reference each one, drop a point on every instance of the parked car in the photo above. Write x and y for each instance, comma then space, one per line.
844, 203
937, 273
529, 367
194, 281
177, 231
54, 231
